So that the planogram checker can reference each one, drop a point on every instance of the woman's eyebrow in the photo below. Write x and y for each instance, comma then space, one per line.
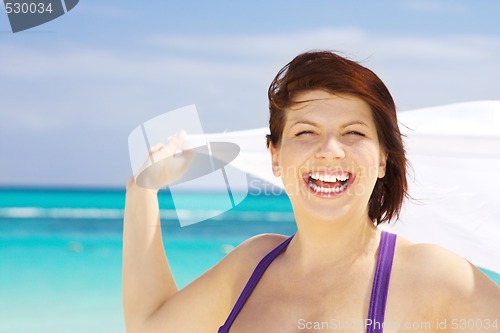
312, 123
303, 122
355, 122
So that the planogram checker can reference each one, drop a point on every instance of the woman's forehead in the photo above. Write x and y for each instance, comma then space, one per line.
318, 103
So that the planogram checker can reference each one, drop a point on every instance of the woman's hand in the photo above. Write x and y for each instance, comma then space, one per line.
165, 164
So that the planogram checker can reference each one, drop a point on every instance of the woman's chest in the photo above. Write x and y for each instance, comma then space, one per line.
330, 304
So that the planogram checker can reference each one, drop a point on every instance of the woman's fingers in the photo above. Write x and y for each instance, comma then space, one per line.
167, 163
177, 140
171, 148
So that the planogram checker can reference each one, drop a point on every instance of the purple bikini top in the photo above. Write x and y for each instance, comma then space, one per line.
378, 299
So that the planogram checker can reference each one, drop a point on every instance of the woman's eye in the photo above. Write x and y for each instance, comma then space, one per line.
355, 133
301, 133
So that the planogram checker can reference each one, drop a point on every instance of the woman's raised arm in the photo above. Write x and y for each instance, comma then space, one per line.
151, 300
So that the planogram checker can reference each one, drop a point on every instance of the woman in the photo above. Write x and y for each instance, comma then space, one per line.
335, 142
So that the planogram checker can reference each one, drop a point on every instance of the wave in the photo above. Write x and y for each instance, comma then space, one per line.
110, 213
59, 213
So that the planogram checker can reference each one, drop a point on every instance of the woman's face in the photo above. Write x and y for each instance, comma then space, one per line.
329, 157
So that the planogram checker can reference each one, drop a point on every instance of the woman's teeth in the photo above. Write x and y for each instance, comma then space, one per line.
328, 183
319, 189
329, 178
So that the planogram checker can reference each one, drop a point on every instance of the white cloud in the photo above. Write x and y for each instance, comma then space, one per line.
435, 50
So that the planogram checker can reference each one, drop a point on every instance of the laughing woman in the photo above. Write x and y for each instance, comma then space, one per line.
335, 142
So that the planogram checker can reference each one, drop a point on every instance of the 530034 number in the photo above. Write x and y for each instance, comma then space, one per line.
28, 8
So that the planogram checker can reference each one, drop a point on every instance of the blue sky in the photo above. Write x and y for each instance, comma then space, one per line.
72, 90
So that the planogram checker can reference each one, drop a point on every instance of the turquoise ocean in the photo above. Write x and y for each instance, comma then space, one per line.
60, 252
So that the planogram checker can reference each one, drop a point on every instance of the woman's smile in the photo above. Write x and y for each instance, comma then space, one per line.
328, 183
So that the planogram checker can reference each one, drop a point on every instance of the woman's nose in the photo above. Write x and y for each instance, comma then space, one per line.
330, 148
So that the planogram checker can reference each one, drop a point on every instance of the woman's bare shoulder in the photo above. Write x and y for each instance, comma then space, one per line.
455, 284
240, 263
250, 252
433, 262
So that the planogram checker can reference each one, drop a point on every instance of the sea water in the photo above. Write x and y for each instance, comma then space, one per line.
60, 252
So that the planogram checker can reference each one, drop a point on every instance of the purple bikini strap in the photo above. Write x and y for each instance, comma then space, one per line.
378, 299
252, 282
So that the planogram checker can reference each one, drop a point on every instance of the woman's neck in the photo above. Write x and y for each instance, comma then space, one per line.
319, 243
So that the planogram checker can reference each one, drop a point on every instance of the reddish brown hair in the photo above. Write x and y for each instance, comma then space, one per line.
330, 72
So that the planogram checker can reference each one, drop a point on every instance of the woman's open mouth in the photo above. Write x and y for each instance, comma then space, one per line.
328, 184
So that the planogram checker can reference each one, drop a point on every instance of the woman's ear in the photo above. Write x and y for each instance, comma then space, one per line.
382, 163
275, 159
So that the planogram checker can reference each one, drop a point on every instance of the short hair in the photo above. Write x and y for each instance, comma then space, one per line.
328, 71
